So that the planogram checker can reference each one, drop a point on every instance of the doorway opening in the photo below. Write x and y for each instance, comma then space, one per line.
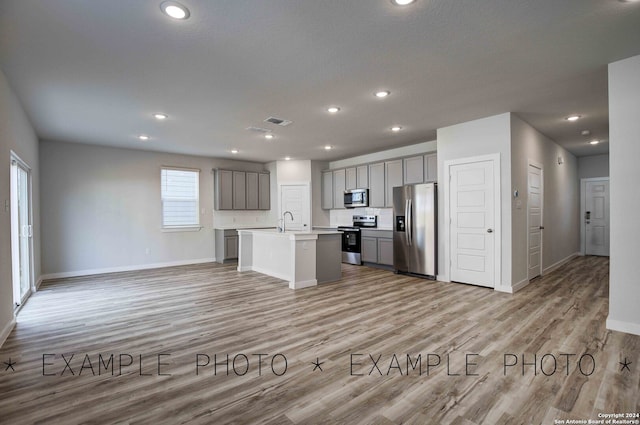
594, 206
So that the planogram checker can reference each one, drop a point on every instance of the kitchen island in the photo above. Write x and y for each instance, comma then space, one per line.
303, 259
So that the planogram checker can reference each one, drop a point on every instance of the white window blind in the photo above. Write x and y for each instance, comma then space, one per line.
180, 197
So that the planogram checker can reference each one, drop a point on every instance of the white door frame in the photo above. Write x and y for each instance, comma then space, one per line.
307, 188
497, 199
541, 168
15, 256
583, 210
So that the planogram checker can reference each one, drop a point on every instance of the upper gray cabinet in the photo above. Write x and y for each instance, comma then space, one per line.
264, 191
239, 190
224, 190
351, 180
339, 184
242, 190
252, 191
393, 178
431, 167
362, 177
376, 185
327, 190
414, 169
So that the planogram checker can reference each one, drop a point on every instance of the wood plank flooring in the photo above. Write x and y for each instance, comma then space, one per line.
393, 349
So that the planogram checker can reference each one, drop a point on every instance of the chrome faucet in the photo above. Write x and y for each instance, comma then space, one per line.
284, 215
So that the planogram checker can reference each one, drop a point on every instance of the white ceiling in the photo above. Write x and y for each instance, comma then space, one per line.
95, 71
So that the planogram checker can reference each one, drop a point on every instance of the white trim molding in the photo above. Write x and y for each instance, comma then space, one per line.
132, 268
6, 331
495, 158
560, 263
626, 327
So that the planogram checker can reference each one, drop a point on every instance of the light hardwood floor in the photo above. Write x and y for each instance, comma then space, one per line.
189, 313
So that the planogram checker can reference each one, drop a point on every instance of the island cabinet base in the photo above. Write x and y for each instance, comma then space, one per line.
303, 259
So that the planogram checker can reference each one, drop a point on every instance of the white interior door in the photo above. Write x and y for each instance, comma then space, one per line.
21, 231
534, 220
472, 225
295, 199
596, 218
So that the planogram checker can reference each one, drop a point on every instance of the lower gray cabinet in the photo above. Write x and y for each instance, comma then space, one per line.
226, 242
385, 251
377, 246
369, 249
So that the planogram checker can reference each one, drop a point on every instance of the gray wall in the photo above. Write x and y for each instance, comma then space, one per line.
475, 138
561, 236
101, 209
593, 166
624, 151
17, 134
319, 217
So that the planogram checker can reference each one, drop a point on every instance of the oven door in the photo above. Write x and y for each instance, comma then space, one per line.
351, 247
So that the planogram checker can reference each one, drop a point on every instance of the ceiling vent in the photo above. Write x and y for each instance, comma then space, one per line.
258, 129
278, 121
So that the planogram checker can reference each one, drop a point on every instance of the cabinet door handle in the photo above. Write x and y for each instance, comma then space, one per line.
489, 230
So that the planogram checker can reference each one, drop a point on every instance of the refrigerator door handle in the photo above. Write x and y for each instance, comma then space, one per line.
406, 221
410, 222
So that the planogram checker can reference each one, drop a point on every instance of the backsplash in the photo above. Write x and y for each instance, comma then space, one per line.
345, 217
227, 219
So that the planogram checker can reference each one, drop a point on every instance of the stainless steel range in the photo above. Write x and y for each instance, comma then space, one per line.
352, 240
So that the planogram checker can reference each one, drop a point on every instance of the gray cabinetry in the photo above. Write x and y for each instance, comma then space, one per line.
369, 249
252, 191
385, 251
327, 190
362, 177
264, 191
414, 169
224, 190
351, 180
226, 242
239, 190
431, 167
377, 247
242, 190
339, 184
376, 185
393, 177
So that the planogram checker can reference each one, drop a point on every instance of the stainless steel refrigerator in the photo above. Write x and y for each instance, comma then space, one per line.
415, 229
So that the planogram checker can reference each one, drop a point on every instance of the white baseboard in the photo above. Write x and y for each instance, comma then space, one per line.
303, 284
560, 263
6, 331
245, 269
513, 288
38, 283
269, 273
626, 327
125, 268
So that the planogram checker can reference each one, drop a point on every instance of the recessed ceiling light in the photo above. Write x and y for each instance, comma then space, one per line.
268, 136
328, 147
160, 116
383, 93
594, 142
174, 10
402, 2
287, 158
333, 109
573, 117
396, 128
234, 151
143, 137
585, 132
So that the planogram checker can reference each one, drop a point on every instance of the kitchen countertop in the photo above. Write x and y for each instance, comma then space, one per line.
240, 227
290, 232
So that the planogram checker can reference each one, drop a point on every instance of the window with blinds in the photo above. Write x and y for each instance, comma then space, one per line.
180, 197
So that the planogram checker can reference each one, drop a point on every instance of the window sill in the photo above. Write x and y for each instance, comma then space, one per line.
181, 229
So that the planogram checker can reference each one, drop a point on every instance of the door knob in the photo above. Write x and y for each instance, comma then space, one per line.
541, 227
489, 230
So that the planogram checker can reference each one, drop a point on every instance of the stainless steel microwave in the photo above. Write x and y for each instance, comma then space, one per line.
356, 198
